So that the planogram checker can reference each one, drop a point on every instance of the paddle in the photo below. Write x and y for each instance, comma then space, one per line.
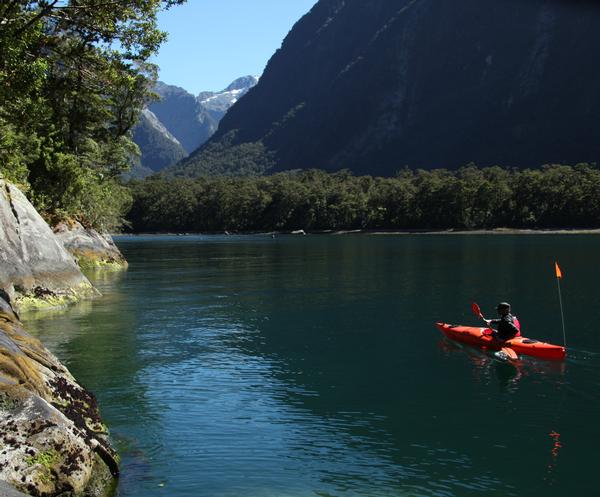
477, 311
509, 353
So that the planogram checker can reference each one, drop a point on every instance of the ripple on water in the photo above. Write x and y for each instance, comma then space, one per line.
310, 367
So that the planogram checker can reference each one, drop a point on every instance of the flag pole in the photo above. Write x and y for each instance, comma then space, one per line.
562, 314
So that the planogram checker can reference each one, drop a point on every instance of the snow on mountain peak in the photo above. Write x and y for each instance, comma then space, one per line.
221, 101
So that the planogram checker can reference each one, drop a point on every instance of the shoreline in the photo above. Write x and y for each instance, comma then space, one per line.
495, 232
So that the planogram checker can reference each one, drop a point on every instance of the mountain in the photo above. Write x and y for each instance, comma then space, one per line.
159, 148
216, 104
180, 112
177, 124
377, 85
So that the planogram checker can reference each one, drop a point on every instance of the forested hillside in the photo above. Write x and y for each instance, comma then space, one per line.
376, 85
469, 198
74, 76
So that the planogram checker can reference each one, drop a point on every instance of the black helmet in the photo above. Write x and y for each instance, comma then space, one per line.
503, 305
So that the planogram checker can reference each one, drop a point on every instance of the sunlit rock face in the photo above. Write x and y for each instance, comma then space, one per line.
90, 248
377, 85
35, 267
52, 439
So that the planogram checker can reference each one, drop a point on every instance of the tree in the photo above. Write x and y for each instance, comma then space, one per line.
74, 76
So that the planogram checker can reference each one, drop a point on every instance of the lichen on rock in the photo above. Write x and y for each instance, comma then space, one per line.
52, 439
91, 249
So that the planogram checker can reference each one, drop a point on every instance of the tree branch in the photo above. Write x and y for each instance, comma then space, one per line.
9, 7
47, 9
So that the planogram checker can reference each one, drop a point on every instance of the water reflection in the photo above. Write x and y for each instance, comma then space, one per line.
94, 339
554, 453
507, 374
257, 366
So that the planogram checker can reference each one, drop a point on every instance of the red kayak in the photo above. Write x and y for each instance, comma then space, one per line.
481, 337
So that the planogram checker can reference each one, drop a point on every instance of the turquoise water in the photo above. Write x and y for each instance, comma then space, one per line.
310, 366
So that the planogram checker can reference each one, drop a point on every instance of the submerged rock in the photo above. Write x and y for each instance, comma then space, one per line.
90, 248
35, 268
7, 491
52, 439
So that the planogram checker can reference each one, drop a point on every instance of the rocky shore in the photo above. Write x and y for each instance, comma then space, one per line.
52, 438
91, 249
35, 268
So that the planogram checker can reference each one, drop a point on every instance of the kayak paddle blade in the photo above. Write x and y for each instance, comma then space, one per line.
510, 353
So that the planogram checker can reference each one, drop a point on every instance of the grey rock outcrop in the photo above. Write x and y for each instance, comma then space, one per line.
7, 491
34, 265
90, 248
52, 439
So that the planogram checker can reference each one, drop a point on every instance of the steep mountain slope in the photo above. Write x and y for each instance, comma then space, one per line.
179, 123
376, 85
218, 103
180, 113
159, 148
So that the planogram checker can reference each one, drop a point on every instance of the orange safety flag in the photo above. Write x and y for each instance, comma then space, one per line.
558, 271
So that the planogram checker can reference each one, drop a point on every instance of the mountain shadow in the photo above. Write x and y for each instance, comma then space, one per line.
374, 86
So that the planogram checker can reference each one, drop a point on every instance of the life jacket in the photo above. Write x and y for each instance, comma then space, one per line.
517, 325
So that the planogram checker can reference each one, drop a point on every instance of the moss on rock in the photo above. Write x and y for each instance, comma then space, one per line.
52, 439
89, 260
36, 271
42, 298
91, 249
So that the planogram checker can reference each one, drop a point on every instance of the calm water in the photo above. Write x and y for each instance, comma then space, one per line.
310, 366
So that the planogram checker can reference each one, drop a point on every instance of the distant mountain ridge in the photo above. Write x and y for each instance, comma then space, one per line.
377, 85
217, 103
159, 148
179, 122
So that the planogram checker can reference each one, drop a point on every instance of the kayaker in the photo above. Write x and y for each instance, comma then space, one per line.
508, 326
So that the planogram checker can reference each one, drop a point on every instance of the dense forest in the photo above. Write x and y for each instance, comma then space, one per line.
74, 76
554, 196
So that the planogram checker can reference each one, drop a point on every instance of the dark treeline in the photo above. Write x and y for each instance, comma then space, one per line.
554, 196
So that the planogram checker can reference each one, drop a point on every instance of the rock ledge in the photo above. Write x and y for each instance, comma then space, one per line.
35, 268
91, 249
52, 439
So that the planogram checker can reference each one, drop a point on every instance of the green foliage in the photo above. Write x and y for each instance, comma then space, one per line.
17, 151
471, 198
222, 158
46, 458
73, 79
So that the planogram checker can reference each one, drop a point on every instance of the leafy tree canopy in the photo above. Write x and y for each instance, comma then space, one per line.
555, 196
73, 77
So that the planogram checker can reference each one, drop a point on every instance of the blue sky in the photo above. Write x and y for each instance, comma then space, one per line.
212, 42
